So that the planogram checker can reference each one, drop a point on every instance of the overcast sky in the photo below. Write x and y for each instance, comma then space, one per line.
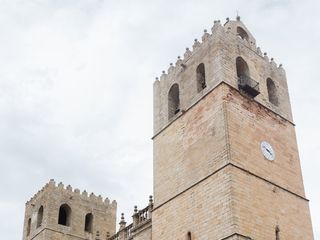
76, 89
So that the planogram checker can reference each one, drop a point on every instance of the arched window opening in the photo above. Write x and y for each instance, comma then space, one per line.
189, 236
277, 233
242, 68
28, 227
201, 77
272, 92
245, 82
40, 217
88, 223
242, 33
64, 215
173, 101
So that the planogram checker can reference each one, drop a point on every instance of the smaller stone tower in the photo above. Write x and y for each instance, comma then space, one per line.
56, 213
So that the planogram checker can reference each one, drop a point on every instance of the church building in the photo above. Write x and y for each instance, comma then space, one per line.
225, 156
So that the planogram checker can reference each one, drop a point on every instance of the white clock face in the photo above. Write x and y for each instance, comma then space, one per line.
267, 151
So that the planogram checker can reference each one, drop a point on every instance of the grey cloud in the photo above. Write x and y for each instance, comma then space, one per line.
76, 89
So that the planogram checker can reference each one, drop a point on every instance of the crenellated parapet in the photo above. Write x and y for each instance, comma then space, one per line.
216, 29
181, 63
211, 60
74, 194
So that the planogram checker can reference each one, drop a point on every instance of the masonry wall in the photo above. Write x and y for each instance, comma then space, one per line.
51, 197
191, 148
50, 234
260, 206
31, 212
144, 232
205, 211
248, 125
263, 193
266, 193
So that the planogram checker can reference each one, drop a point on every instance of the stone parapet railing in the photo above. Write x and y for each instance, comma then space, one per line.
140, 220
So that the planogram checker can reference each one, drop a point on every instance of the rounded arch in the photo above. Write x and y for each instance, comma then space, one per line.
242, 33
28, 227
242, 68
173, 100
40, 216
64, 215
88, 222
272, 92
201, 77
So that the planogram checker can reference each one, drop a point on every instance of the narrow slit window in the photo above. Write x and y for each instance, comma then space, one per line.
201, 77
40, 217
272, 92
88, 223
28, 227
173, 101
277, 233
189, 237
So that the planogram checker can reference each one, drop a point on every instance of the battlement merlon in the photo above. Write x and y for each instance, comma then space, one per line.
51, 186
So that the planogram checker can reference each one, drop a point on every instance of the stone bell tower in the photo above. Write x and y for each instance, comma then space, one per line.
226, 163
